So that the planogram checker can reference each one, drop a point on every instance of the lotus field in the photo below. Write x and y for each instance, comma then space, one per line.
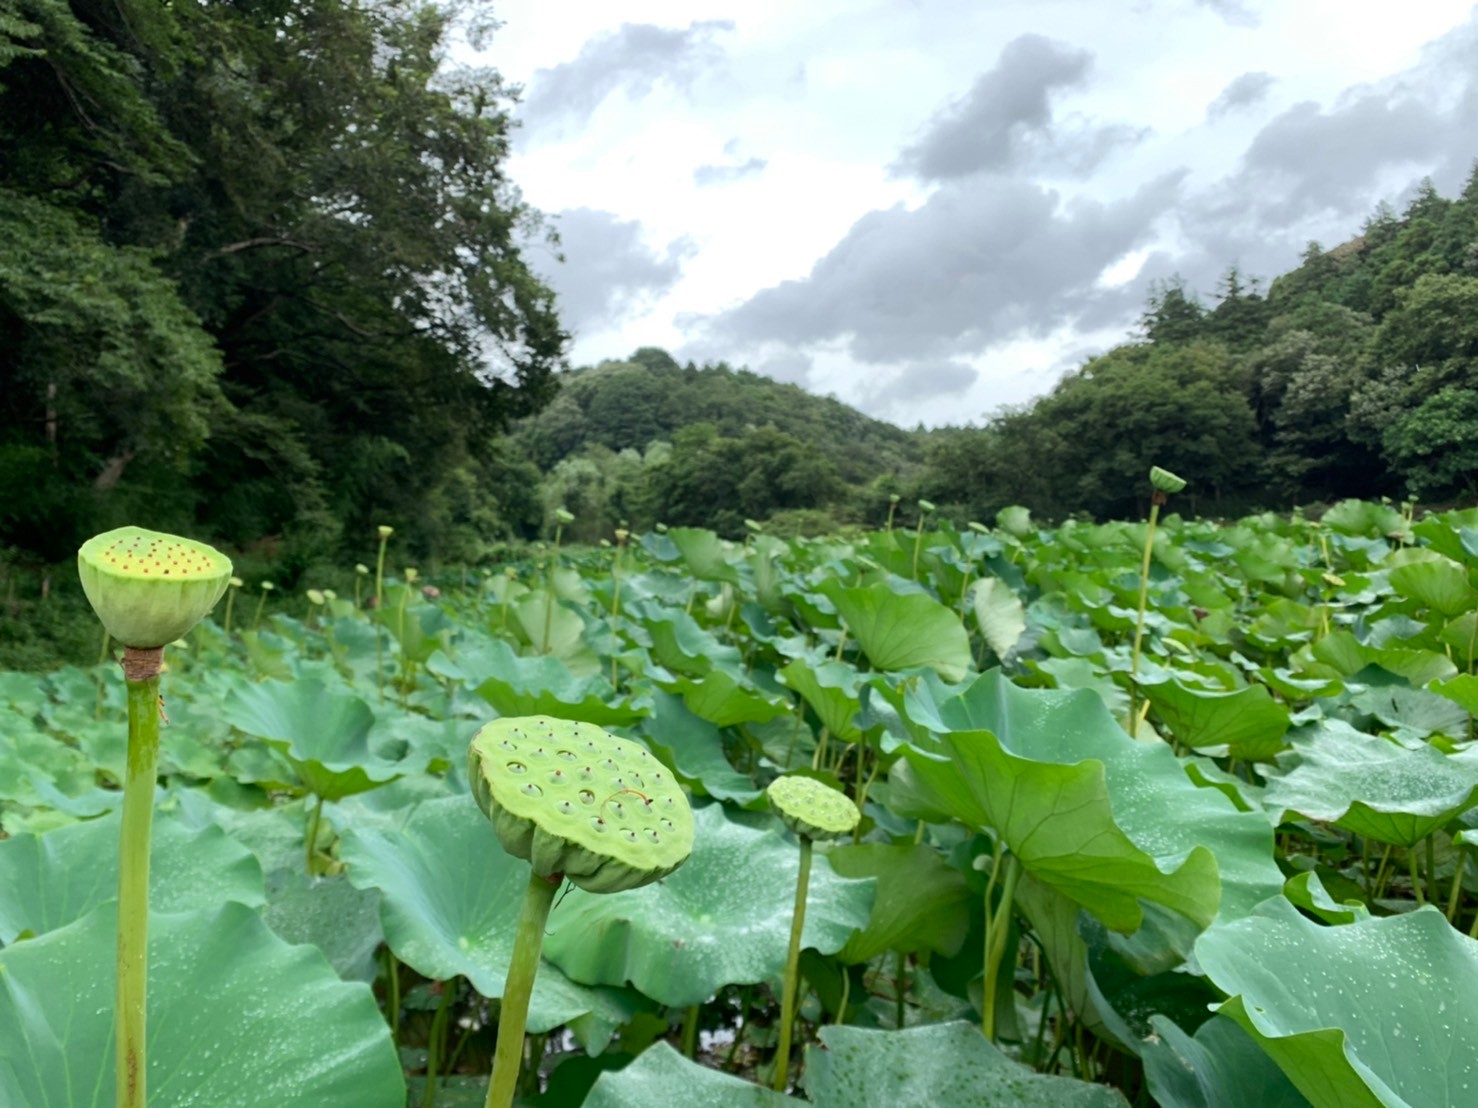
1170, 813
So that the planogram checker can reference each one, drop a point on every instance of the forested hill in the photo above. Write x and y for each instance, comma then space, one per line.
647, 439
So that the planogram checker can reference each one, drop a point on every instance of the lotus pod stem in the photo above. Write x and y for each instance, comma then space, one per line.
141, 668
813, 810
528, 945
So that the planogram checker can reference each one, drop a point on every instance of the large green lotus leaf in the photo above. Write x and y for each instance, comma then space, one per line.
1416, 712
1437, 583
1377, 1012
694, 750
922, 902
1220, 1067
660, 1075
538, 611
48, 881
450, 899
1248, 724
328, 912
1346, 656
237, 1019
903, 630
943, 1065
1462, 690
544, 686
1086, 809
727, 701
325, 734
999, 615
1372, 786
723, 918
1364, 517
680, 644
703, 553
831, 689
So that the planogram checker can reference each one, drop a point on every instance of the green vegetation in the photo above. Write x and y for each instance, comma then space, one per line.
1033, 907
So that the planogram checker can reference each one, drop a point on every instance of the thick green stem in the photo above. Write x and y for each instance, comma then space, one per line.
1144, 595
436, 1048
142, 670
900, 988
1457, 885
998, 927
918, 543
549, 600
690, 1032
792, 969
528, 944
312, 844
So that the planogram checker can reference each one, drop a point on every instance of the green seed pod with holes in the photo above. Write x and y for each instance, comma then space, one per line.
149, 588
1165, 481
575, 800
812, 809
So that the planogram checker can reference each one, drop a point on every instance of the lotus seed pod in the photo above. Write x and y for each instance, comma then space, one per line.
149, 588
894, 498
361, 569
267, 586
812, 808
925, 506
1165, 481
754, 525
314, 596
385, 531
563, 516
236, 582
411, 573
573, 799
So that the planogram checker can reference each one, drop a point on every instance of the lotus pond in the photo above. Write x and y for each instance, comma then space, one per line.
1206, 852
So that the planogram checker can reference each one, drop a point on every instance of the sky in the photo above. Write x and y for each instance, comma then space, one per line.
933, 209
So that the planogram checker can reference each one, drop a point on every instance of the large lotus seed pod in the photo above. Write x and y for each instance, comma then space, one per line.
574, 799
148, 588
1165, 481
812, 808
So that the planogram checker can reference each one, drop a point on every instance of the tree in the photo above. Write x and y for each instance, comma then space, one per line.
1172, 315
310, 200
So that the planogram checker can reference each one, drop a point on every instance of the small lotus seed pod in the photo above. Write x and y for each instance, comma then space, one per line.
385, 531
266, 586
622, 535
236, 582
411, 573
894, 498
812, 808
149, 588
563, 516
315, 596
361, 569
605, 544
1165, 481
575, 800
979, 527
329, 594
754, 525
661, 528
925, 506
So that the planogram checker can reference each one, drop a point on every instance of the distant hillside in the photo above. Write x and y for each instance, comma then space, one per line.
650, 397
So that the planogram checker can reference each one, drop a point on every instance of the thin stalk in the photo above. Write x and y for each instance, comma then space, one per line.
379, 609
436, 1047
528, 942
392, 979
1381, 874
141, 668
311, 845
1457, 886
900, 988
616, 585
1416, 880
792, 970
256, 621
918, 544
1144, 596
690, 1032
818, 759
846, 995
739, 1028
997, 929
1431, 868
549, 600
230, 599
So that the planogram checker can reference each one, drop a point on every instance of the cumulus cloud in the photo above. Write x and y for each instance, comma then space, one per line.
989, 127
1235, 12
635, 57
919, 381
1005, 123
1245, 91
977, 263
610, 270
705, 175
